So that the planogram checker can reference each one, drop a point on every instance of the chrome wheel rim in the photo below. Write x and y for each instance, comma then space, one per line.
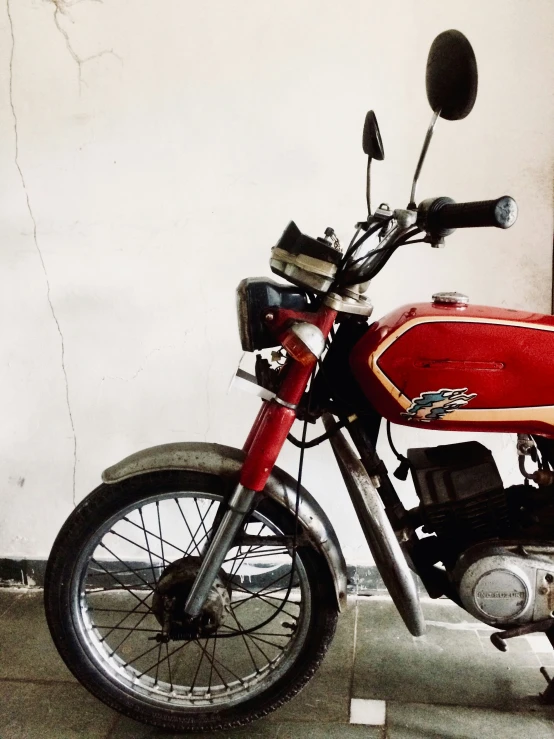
112, 588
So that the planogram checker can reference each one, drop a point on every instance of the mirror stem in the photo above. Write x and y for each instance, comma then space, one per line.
368, 187
428, 137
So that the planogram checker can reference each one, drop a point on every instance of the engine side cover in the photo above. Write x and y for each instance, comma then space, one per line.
507, 585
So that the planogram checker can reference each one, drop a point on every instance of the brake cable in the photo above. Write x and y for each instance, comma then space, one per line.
318, 440
370, 231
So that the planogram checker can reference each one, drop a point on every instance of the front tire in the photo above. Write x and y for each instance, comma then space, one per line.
102, 576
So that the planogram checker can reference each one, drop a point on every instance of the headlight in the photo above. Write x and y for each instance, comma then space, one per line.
257, 295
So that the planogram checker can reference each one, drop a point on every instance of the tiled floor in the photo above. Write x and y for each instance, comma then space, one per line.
450, 684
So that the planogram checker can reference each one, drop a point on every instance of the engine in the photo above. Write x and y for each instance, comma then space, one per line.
461, 493
494, 542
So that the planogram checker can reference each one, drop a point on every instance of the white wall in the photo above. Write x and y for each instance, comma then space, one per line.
164, 146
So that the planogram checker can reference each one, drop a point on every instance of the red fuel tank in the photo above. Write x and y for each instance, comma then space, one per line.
460, 367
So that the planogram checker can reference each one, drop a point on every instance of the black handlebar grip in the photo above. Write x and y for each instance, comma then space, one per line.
442, 214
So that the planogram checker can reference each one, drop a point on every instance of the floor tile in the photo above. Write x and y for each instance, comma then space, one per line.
324, 731
263, 729
27, 649
539, 643
51, 711
409, 721
8, 598
447, 685
452, 664
327, 695
368, 712
126, 728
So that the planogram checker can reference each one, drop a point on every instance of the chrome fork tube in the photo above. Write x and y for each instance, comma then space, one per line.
239, 505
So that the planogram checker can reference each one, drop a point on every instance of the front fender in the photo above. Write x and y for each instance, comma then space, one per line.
226, 461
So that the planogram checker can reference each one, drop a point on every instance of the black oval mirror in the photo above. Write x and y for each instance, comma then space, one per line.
371, 139
451, 77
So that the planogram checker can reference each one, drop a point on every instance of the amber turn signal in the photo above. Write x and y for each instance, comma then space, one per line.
304, 342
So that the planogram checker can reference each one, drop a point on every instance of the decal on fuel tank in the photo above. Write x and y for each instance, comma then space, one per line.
435, 404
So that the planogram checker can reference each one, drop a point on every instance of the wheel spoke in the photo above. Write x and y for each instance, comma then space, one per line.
255, 644
130, 613
256, 635
158, 663
259, 555
259, 593
160, 528
212, 661
228, 665
155, 536
212, 665
203, 539
200, 525
118, 610
239, 548
124, 587
124, 628
93, 590
237, 564
134, 543
201, 517
147, 544
259, 648
169, 666
278, 609
253, 635
186, 524
197, 670
122, 642
129, 569
135, 659
224, 667
245, 642
119, 572
164, 659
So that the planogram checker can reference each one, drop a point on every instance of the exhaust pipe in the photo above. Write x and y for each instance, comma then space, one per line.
380, 536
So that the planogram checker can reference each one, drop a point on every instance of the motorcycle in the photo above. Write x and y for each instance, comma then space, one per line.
199, 586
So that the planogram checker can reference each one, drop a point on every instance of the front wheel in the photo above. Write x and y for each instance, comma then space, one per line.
120, 571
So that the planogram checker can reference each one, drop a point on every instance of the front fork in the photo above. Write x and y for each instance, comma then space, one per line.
262, 447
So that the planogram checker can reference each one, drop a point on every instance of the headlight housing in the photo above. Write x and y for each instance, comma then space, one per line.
255, 297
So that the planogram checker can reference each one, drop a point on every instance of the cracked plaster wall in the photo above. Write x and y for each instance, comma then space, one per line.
163, 148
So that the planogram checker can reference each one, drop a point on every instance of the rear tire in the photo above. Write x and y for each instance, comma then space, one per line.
107, 671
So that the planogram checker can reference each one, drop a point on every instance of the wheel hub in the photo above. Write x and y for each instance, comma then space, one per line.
170, 596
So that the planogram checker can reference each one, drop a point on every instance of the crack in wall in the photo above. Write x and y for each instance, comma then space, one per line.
35, 238
141, 368
61, 8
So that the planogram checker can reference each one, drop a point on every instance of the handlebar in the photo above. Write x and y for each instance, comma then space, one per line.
437, 216
444, 215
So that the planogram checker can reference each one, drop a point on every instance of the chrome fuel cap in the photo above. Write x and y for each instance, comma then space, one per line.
450, 299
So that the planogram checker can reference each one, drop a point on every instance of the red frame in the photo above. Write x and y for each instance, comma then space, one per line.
501, 355
274, 420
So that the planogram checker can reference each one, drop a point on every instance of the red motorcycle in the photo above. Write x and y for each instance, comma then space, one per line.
199, 586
